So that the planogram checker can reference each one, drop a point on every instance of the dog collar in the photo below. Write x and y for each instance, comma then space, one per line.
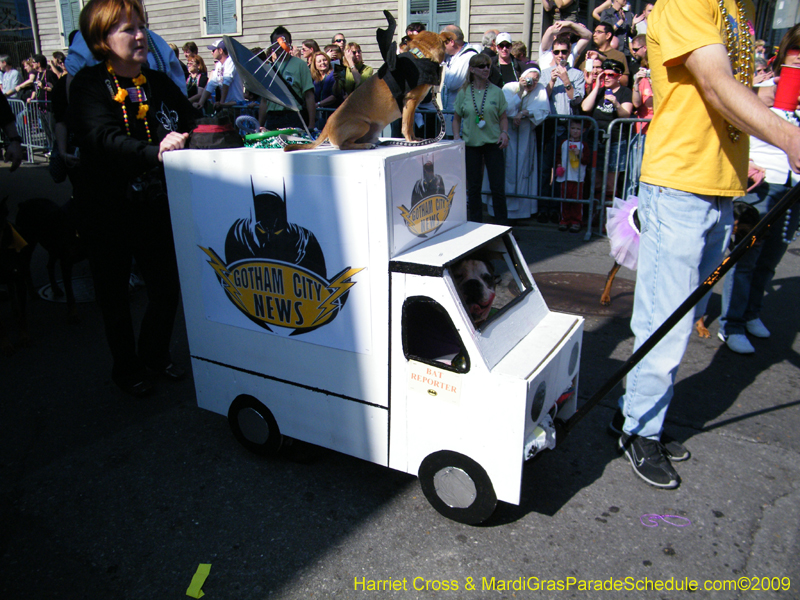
417, 52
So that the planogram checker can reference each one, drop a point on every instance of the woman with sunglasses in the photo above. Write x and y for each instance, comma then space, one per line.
480, 120
607, 101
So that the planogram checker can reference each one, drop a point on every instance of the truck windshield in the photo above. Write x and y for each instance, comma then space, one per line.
490, 279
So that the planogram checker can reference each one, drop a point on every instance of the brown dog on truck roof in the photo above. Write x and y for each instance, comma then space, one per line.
356, 124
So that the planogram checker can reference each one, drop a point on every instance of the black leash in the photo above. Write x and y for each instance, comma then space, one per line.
758, 232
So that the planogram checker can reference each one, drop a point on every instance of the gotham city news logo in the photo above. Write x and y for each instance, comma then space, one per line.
275, 273
429, 204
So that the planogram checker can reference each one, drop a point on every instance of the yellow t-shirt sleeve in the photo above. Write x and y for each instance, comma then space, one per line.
692, 25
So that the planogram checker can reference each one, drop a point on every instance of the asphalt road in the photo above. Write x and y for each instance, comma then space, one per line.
106, 497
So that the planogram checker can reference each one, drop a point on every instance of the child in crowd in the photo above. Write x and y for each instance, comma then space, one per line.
571, 172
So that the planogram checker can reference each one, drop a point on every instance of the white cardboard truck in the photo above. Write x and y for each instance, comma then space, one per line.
320, 306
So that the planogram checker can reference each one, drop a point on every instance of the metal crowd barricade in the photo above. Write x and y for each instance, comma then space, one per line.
551, 134
628, 135
34, 122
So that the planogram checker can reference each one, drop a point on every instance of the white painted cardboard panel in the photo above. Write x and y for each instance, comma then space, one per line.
428, 201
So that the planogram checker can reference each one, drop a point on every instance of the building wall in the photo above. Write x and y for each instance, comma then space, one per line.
49, 33
179, 21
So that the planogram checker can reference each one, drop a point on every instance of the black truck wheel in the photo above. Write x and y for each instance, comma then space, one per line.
254, 426
457, 487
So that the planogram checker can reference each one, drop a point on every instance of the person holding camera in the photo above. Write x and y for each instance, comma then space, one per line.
126, 116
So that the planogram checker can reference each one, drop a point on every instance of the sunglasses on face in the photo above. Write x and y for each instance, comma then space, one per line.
504, 45
637, 49
340, 41
564, 52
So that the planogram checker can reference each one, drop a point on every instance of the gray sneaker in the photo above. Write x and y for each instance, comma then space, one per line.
674, 450
648, 461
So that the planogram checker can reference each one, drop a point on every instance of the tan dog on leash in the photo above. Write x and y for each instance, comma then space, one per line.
356, 124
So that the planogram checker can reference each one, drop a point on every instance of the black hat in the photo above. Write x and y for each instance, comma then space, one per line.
610, 64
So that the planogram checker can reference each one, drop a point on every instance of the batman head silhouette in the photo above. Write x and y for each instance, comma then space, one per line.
267, 234
431, 184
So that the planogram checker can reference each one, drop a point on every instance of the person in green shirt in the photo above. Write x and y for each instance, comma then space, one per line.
357, 72
480, 120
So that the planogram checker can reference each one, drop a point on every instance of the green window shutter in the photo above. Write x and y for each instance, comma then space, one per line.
213, 17
446, 14
70, 14
229, 16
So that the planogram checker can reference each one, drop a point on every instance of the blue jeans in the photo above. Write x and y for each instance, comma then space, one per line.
747, 281
683, 240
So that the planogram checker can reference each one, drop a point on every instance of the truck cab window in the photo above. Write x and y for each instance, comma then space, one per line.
489, 279
430, 336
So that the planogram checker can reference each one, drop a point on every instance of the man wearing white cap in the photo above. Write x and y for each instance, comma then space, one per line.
505, 68
231, 89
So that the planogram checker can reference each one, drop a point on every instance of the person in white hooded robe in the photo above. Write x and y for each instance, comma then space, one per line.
528, 106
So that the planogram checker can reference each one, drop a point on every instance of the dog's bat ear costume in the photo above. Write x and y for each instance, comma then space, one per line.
385, 39
403, 72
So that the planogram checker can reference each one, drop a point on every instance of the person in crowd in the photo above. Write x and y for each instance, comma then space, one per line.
45, 78
638, 52
593, 66
760, 49
528, 105
763, 71
335, 54
695, 163
327, 92
159, 57
120, 202
563, 30
607, 101
308, 50
519, 51
413, 29
44, 83
481, 121
640, 21
571, 162
27, 86
339, 40
227, 79
10, 78
177, 53
603, 33
562, 10
296, 73
456, 70
746, 283
198, 78
617, 14
57, 64
489, 43
189, 50
565, 87
13, 153
357, 72
505, 68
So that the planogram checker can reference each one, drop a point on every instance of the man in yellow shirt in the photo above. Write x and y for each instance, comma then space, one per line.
695, 164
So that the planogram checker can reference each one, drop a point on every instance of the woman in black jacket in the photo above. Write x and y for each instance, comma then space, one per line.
126, 117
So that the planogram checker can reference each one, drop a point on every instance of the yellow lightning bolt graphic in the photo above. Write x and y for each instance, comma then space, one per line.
337, 287
225, 277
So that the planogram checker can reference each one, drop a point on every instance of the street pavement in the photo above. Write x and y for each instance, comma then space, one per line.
102, 496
